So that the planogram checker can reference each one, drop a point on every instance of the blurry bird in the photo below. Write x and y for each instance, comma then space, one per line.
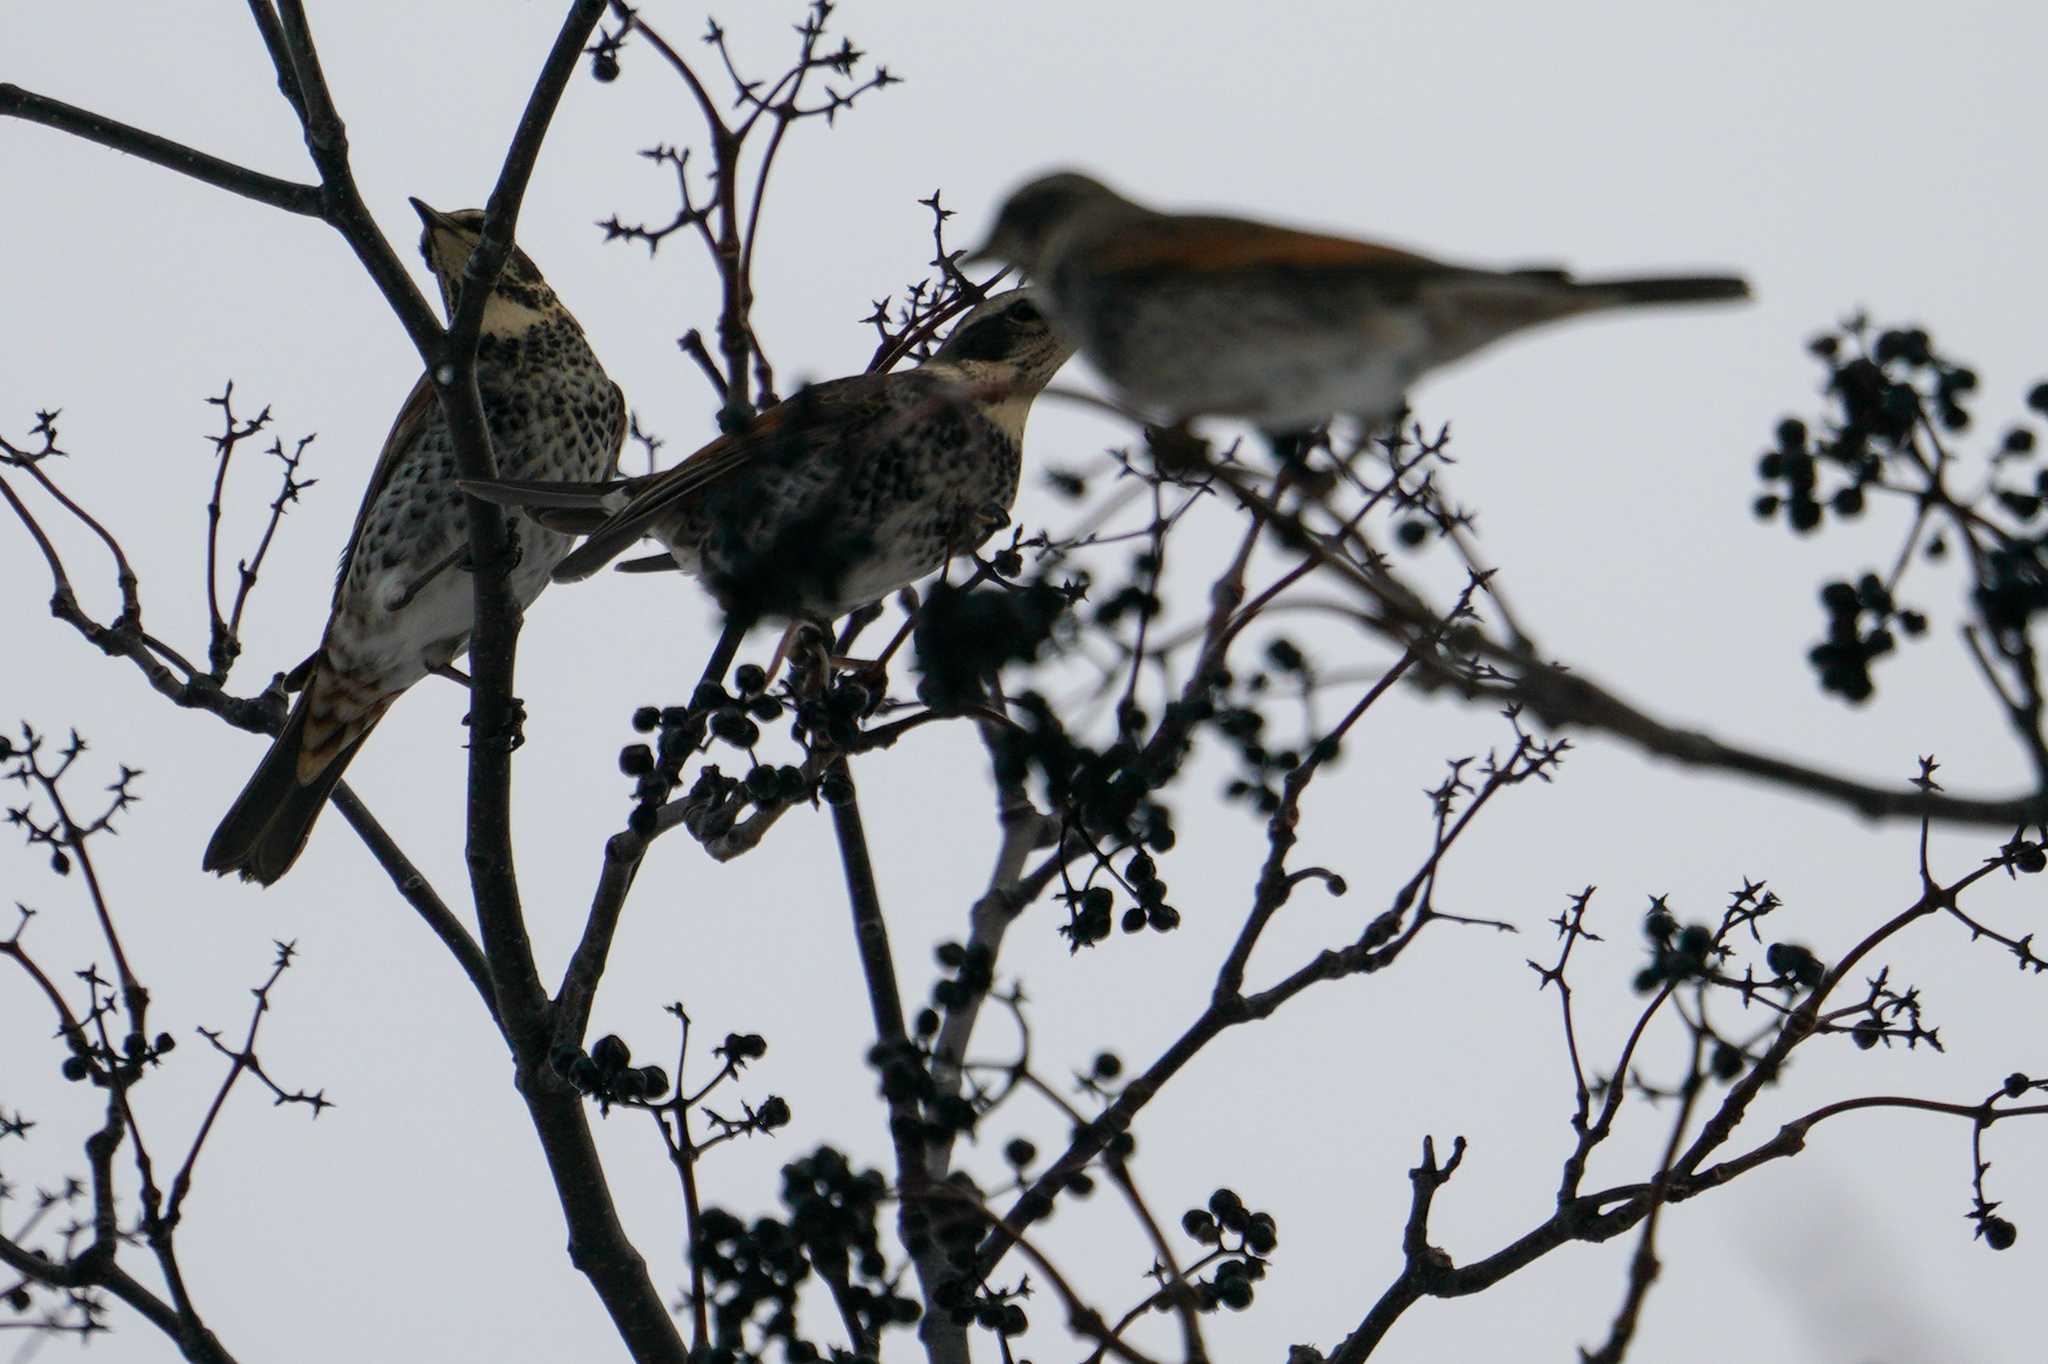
1190, 315
838, 496
402, 604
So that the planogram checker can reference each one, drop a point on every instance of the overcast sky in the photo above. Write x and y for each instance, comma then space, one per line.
1841, 155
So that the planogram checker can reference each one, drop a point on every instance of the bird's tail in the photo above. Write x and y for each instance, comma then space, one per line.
267, 827
1669, 289
572, 508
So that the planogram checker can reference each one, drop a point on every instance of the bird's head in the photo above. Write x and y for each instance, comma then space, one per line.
447, 241
1031, 217
1006, 339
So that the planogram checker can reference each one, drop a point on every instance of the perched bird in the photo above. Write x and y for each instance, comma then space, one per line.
402, 604
1190, 315
840, 495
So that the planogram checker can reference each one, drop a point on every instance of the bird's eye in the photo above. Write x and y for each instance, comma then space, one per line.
1026, 311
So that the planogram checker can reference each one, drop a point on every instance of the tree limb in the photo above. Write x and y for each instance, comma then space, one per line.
288, 195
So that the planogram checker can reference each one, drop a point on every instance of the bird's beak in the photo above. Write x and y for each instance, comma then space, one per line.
432, 217
988, 252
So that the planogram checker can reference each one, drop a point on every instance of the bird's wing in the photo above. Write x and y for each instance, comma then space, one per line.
1222, 245
663, 562
571, 508
417, 410
816, 413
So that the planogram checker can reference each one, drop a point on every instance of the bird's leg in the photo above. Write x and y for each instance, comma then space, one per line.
282, 685
860, 620
873, 673
722, 654
807, 647
452, 673
512, 736
682, 739
880, 663
419, 584
783, 647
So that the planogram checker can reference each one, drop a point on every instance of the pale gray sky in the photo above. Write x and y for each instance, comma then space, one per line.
1839, 154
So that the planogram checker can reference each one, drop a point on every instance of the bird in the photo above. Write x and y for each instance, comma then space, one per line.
1194, 315
839, 495
402, 606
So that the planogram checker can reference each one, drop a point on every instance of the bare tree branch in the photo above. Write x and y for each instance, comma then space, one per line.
288, 195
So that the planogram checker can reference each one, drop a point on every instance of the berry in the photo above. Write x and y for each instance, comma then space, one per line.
611, 1053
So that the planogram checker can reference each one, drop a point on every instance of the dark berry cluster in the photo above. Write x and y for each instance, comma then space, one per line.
923, 1113
996, 1310
606, 1073
1141, 874
1037, 1205
1106, 791
1245, 728
1019, 1152
1998, 1233
1881, 395
1243, 724
1792, 463
1137, 599
1895, 404
738, 1048
1243, 1237
1676, 953
970, 975
1091, 908
1793, 965
833, 717
716, 800
1103, 1073
109, 1065
1860, 620
832, 1217
2024, 855
755, 1272
1090, 912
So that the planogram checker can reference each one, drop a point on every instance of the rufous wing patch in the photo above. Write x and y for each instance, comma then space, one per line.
1219, 244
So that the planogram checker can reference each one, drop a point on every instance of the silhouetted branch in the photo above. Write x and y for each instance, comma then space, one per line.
288, 195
